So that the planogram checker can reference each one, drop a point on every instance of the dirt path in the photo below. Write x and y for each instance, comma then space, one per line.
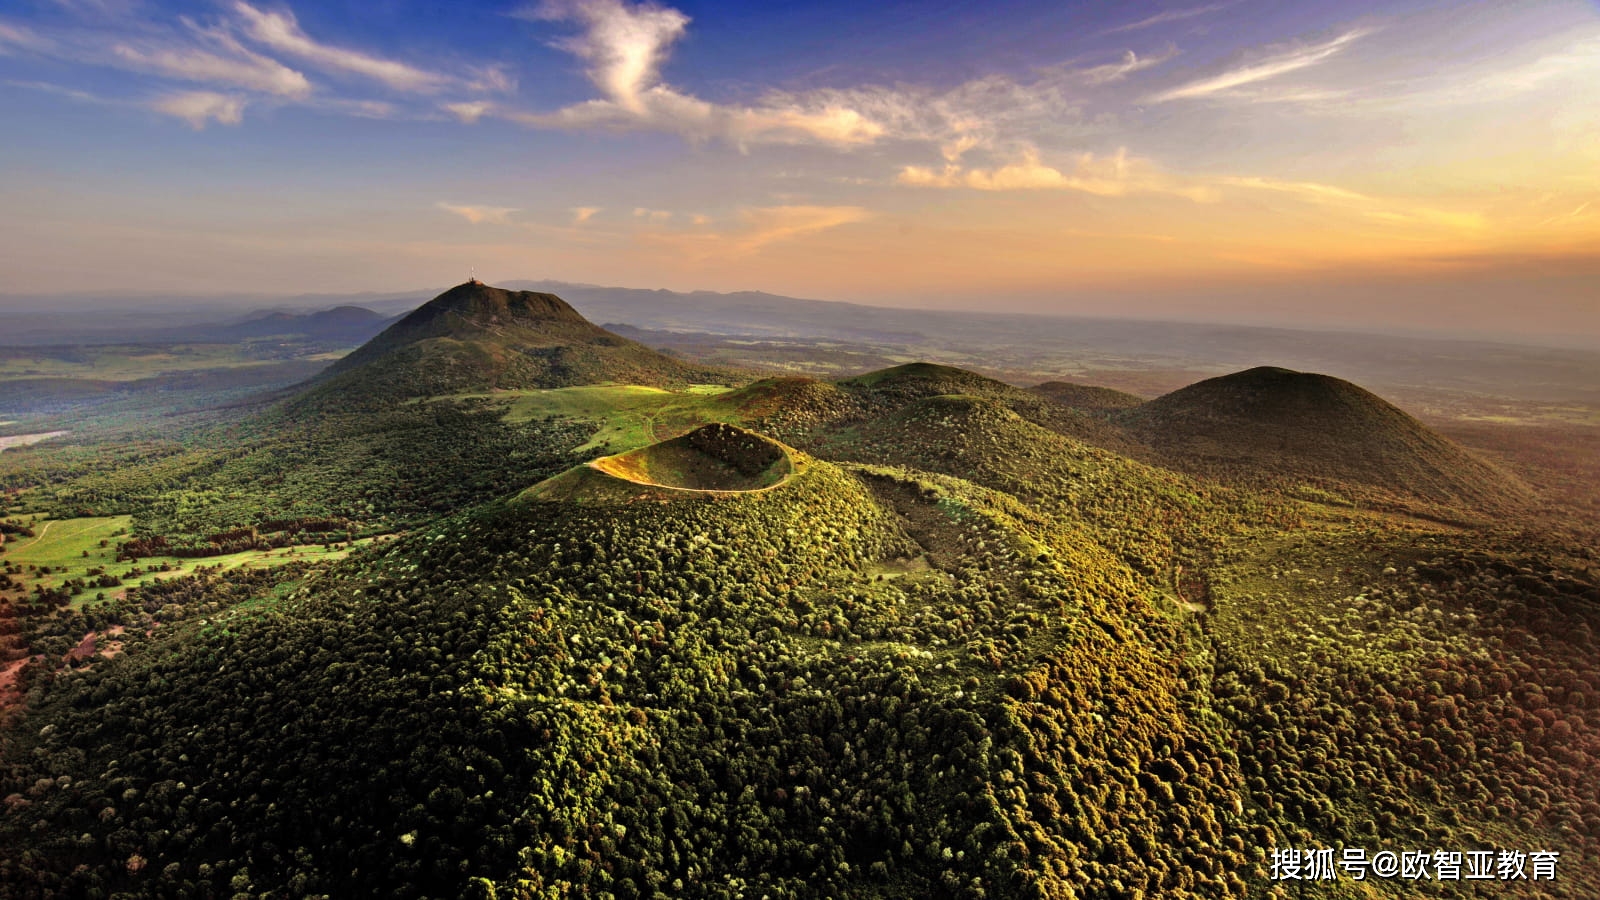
8, 680
38, 537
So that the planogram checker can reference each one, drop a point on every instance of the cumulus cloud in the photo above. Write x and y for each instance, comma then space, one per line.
1109, 175
199, 107
1270, 67
625, 47
281, 32
479, 215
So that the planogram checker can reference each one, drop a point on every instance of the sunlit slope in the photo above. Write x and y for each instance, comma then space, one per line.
475, 337
1270, 424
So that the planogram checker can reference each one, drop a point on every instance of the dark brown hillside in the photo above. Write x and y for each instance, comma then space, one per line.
475, 337
1272, 424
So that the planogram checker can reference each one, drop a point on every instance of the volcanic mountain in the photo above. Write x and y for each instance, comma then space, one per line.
475, 337
1270, 423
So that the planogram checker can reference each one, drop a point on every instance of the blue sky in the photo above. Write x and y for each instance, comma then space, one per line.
1302, 163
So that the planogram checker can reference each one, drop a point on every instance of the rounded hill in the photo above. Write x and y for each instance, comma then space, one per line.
1086, 397
894, 388
1276, 423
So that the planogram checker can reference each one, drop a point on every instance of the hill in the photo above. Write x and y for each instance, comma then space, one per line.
1086, 397
874, 394
341, 323
1271, 424
836, 688
475, 337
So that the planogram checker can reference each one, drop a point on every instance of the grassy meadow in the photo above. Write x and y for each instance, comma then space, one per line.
70, 548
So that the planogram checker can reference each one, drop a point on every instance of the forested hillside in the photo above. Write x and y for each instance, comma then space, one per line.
913, 634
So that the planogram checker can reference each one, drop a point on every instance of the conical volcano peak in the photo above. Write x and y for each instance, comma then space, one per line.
476, 337
484, 304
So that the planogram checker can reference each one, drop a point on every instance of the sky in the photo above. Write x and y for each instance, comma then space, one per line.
1409, 165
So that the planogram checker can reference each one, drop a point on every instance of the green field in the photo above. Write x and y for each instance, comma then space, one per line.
631, 415
63, 543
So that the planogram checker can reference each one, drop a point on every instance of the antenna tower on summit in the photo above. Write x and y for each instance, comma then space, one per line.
472, 275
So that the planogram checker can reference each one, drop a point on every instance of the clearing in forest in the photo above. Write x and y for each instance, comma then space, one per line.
70, 548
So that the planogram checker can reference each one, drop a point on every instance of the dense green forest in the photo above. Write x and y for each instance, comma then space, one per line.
913, 634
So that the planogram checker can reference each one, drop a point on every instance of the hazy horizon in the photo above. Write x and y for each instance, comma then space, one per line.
174, 308
1398, 167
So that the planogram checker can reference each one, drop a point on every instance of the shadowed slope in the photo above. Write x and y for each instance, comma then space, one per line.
1268, 423
1086, 397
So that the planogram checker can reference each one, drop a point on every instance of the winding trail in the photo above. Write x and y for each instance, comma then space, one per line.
40, 536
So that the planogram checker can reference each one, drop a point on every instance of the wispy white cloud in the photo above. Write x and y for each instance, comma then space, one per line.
1280, 63
479, 215
654, 215
101, 9
757, 228
469, 111
1395, 211
199, 107
361, 109
1110, 175
1131, 62
282, 32
21, 36
1171, 15
1572, 216
60, 91
493, 79
1577, 63
240, 67
582, 214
